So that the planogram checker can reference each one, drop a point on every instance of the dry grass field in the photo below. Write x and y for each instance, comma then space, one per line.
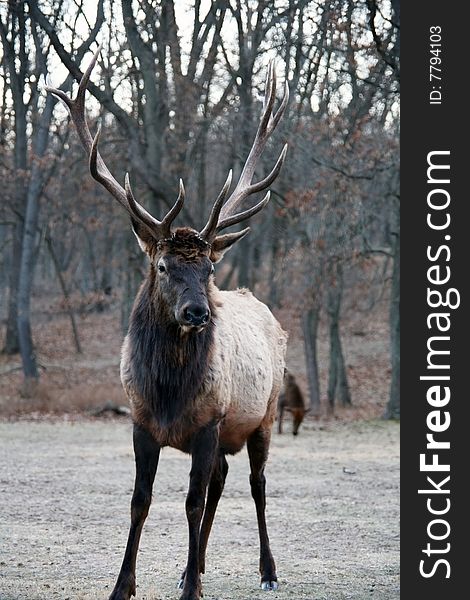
332, 507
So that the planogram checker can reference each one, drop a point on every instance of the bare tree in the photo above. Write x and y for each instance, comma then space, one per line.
25, 51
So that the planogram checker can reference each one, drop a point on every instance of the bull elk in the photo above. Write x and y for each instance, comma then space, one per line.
202, 368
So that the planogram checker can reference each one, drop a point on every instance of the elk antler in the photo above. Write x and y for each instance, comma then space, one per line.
225, 215
99, 170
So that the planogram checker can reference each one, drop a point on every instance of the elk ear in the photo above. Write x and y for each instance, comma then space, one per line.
223, 242
143, 235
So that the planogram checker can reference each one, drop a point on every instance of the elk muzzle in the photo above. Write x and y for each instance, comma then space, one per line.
194, 314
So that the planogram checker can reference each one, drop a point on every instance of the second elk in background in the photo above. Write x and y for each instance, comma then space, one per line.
292, 400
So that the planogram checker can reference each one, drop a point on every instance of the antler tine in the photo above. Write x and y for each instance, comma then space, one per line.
138, 211
86, 76
98, 168
262, 133
282, 107
264, 183
210, 228
242, 216
159, 229
269, 96
77, 107
245, 187
173, 212
60, 94
273, 120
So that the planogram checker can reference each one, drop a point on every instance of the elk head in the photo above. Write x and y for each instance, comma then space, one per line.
182, 259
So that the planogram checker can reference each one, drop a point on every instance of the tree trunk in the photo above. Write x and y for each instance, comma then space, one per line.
107, 268
333, 368
337, 379
16, 86
28, 356
228, 277
65, 293
344, 395
244, 263
392, 410
310, 320
12, 345
94, 283
28, 262
132, 280
274, 263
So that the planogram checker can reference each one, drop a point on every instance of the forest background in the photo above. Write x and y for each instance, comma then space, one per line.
178, 90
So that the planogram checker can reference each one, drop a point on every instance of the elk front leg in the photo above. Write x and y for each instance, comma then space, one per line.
214, 492
216, 487
204, 450
258, 447
147, 452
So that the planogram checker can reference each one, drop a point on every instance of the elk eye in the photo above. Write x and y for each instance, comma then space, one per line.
161, 268
212, 269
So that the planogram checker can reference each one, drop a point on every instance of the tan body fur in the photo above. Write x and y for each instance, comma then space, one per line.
243, 380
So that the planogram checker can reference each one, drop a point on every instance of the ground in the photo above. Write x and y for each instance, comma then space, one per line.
332, 507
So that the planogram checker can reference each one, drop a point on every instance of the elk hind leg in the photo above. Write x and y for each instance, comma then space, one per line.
258, 447
147, 453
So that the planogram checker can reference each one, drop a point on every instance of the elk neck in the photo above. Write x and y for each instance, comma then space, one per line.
168, 364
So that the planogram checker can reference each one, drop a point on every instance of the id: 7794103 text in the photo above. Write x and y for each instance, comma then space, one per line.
435, 64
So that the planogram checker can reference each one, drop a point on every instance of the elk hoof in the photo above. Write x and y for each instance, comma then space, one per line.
122, 595
124, 589
180, 585
194, 595
269, 586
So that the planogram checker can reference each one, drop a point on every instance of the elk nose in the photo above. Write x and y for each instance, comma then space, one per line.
196, 314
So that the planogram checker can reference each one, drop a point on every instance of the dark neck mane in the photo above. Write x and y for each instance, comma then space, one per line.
168, 367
